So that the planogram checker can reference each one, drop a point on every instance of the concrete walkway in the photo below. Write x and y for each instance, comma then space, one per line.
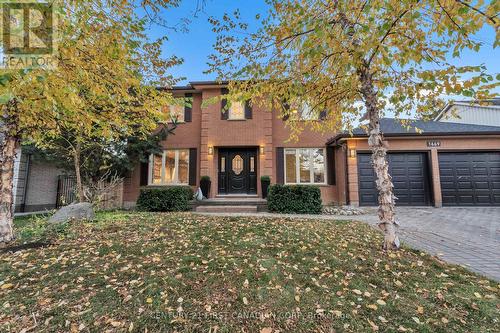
464, 236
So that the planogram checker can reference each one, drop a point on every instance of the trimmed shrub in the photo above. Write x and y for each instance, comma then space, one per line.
165, 199
294, 199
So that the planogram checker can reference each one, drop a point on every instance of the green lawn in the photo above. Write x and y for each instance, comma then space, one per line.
186, 273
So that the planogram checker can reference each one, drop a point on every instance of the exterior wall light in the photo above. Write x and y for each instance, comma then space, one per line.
261, 150
352, 153
210, 150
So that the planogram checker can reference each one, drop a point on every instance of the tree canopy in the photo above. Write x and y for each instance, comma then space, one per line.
313, 50
356, 60
102, 87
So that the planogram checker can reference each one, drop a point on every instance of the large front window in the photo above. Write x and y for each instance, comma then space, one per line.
170, 167
305, 166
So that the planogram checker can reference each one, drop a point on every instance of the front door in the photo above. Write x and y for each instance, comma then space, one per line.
237, 171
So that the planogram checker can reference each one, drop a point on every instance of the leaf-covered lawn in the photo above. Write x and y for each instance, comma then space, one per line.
187, 273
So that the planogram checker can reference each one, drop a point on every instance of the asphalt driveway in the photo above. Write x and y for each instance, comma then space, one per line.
464, 236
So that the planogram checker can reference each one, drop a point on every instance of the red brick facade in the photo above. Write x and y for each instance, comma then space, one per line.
266, 129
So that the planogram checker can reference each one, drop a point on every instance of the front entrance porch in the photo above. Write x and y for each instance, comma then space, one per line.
237, 171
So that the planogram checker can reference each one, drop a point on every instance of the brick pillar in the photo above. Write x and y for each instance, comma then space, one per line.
205, 160
268, 158
352, 182
436, 180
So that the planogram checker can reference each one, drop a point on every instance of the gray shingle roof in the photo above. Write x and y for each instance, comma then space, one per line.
393, 127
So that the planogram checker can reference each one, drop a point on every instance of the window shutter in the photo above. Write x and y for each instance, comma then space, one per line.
286, 106
280, 172
188, 108
248, 110
144, 170
193, 158
322, 115
330, 165
224, 110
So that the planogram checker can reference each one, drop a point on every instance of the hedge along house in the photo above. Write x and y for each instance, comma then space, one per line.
235, 147
447, 164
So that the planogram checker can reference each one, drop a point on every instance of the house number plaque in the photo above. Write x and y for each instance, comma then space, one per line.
433, 143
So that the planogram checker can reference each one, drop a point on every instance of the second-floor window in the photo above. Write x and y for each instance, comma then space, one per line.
302, 110
236, 111
306, 112
176, 111
171, 167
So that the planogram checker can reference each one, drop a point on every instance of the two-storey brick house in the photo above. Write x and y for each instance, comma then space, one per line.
448, 164
234, 147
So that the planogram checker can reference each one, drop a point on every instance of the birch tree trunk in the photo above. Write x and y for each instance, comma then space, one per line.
8, 148
386, 198
76, 159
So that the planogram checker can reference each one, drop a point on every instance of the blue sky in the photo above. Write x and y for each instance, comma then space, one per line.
195, 45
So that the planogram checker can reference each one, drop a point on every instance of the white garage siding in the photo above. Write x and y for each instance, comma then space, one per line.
471, 114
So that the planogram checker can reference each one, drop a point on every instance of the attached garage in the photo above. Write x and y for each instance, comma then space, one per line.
470, 178
410, 176
440, 164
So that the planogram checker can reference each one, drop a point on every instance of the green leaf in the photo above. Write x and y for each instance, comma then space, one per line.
5, 78
5, 98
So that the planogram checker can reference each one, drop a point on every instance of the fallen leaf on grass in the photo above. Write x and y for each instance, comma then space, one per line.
373, 325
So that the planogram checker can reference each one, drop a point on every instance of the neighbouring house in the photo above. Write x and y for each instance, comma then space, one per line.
469, 112
39, 185
449, 164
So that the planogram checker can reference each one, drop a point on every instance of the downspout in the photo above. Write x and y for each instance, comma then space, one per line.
26, 183
346, 187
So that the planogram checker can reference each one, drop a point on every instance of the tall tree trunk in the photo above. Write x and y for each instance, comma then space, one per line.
8, 148
386, 198
76, 159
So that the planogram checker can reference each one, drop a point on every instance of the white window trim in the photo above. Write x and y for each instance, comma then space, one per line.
163, 170
297, 167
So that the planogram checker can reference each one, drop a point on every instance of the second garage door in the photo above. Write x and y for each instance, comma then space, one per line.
470, 179
410, 177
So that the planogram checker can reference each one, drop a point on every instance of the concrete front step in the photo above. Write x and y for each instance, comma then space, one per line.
227, 209
236, 196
